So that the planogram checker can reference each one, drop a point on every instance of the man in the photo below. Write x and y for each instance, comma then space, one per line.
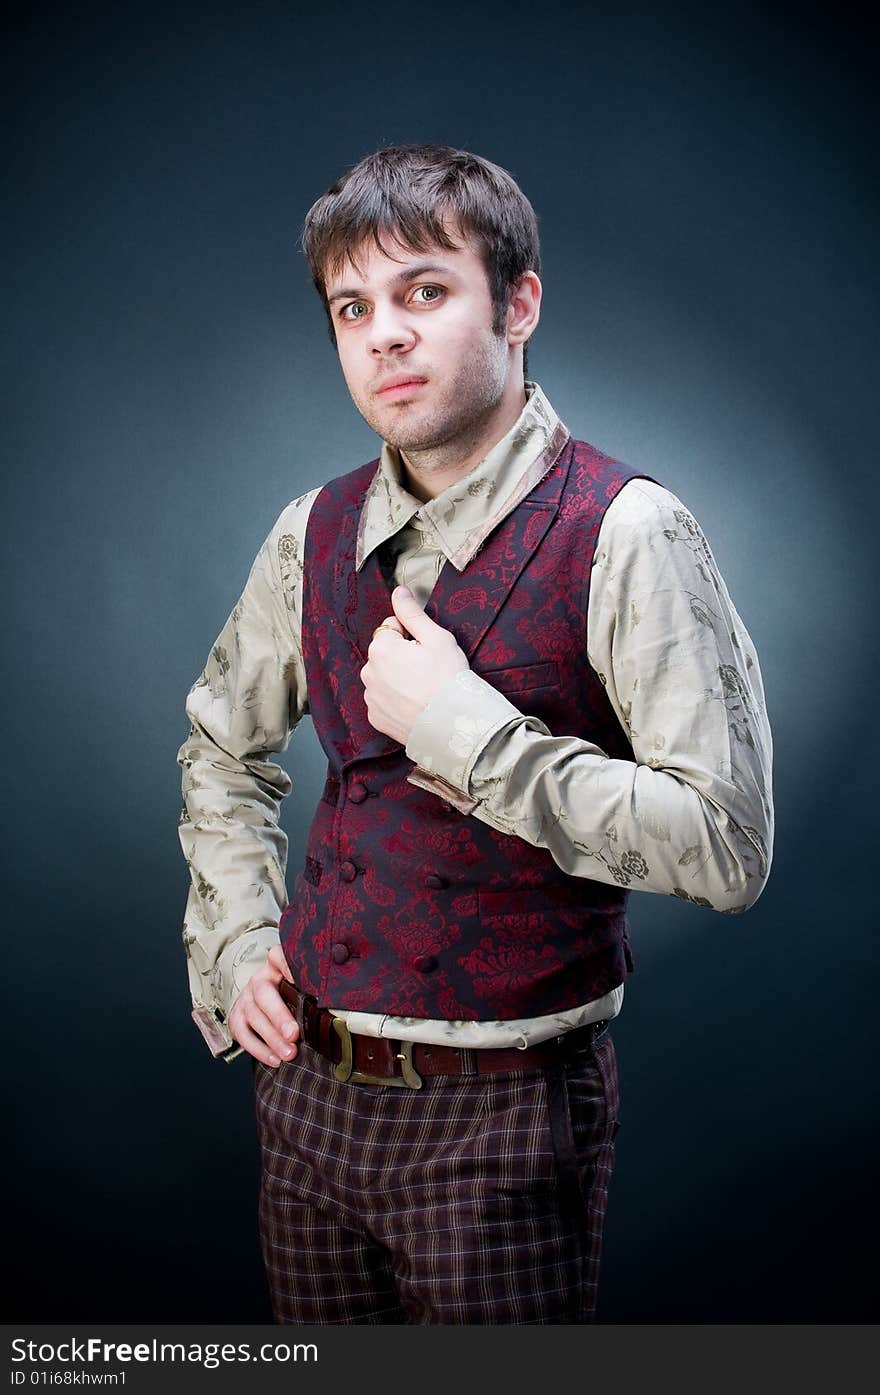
534, 693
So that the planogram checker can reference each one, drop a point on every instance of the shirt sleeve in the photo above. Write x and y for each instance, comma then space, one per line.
691, 815
249, 698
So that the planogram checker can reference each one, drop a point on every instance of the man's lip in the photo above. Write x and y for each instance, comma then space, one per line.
401, 380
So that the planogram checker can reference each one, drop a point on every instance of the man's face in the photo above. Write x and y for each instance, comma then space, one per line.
415, 340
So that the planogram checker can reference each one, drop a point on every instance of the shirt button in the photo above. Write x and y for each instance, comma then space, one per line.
339, 954
434, 882
445, 806
358, 792
348, 871
424, 963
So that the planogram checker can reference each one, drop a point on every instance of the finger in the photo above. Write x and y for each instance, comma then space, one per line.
278, 960
269, 1002
243, 1032
393, 623
254, 1046
390, 627
412, 616
260, 1026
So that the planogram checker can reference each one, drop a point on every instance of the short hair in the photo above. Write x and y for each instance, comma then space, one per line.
408, 195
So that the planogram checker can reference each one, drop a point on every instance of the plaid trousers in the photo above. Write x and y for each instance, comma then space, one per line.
479, 1199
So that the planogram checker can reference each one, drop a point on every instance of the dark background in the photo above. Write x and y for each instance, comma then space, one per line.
706, 190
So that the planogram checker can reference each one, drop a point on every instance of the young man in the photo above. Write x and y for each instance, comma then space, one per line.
534, 693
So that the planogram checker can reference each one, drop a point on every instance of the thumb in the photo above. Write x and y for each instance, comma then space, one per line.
412, 616
278, 960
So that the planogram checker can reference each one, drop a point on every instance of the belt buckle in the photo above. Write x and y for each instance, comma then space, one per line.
409, 1077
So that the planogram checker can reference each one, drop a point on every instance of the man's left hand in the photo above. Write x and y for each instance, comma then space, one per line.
402, 674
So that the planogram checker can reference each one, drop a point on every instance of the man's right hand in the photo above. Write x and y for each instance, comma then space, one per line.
260, 1020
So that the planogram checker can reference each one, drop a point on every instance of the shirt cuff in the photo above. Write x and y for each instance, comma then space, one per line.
448, 735
240, 960
216, 1033
236, 967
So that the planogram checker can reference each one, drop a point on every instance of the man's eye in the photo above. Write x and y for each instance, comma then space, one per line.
427, 295
354, 311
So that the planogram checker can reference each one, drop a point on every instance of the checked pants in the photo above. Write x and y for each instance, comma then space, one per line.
478, 1199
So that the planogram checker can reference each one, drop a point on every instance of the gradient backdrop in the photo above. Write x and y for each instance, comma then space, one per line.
705, 186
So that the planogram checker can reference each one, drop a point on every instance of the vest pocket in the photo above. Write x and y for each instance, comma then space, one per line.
524, 678
571, 903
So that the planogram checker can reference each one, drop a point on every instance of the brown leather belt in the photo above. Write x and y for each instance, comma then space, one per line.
384, 1061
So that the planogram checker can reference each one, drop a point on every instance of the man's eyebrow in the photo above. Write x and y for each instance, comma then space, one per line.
409, 273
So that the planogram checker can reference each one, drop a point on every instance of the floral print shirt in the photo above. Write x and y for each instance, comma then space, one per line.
690, 816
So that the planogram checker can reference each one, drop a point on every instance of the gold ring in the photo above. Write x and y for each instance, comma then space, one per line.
383, 626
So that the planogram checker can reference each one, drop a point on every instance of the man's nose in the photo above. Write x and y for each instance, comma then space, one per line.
389, 331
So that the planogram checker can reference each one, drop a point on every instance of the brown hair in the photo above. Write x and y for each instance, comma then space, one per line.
409, 194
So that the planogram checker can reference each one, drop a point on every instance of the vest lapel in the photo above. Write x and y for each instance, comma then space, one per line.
364, 601
468, 602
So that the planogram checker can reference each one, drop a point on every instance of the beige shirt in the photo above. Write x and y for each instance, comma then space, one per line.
691, 816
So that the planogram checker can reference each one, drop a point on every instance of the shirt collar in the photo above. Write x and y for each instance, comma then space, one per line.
462, 516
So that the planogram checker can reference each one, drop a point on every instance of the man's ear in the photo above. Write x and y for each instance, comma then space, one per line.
524, 310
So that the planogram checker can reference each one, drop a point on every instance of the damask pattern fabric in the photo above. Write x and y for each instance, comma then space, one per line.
406, 906
691, 816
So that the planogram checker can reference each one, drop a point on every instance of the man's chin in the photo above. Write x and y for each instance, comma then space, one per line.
412, 442
405, 431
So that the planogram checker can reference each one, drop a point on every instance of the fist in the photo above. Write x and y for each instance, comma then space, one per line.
406, 665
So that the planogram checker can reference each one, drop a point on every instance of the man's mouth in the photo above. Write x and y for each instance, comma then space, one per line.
400, 385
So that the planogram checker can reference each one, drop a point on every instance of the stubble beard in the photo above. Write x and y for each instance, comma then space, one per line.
439, 437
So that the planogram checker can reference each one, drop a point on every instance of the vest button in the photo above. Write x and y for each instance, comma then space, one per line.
434, 882
424, 963
357, 792
348, 871
339, 954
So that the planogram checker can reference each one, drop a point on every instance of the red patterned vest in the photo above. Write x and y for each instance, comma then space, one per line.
405, 905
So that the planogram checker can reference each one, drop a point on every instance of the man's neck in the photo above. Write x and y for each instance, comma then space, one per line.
427, 473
